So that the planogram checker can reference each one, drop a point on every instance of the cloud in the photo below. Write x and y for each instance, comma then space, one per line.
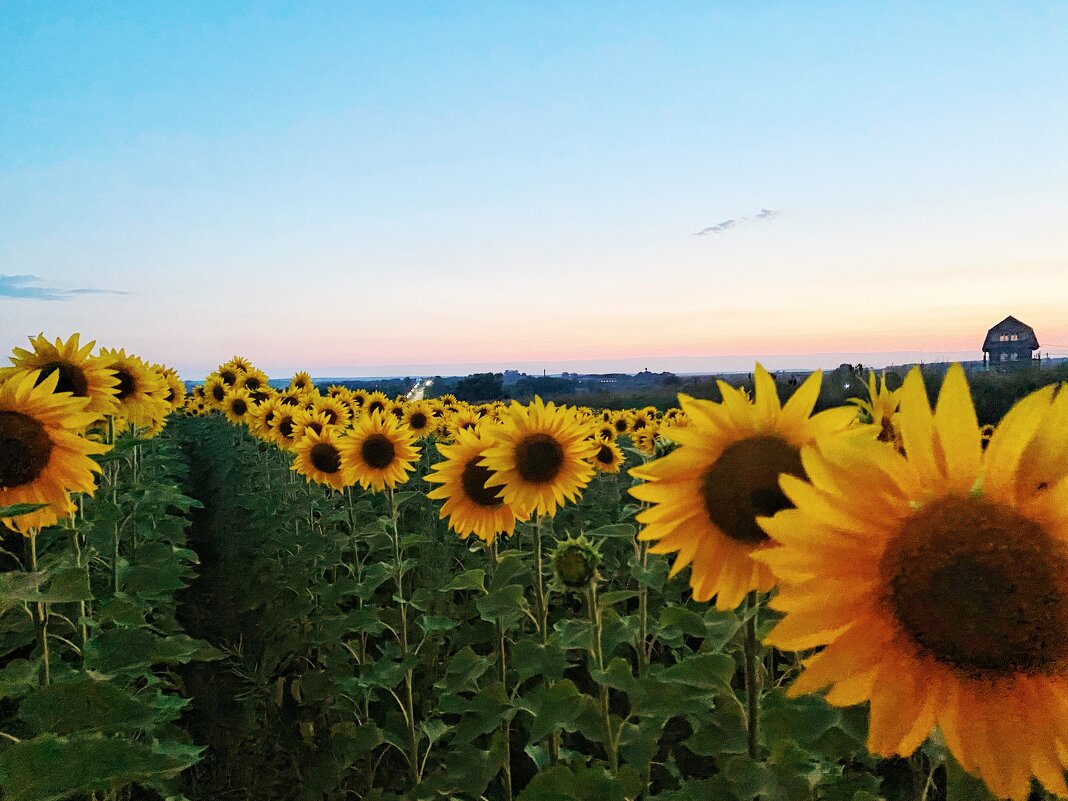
764, 215
27, 287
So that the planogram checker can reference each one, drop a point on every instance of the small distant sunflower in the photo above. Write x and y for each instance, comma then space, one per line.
174, 387
621, 423
301, 382
464, 419
337, 413
471, 506
261, 416
230, 374
609, 457
215, 390
305, 420
78, 373
140, 392
880, 409
375, 402
936, 582
291, 397
378, 452
238, 363
318, 458
419, 418
359, 398
238, 406
644, 440
42, 456
253, 380
284, 427
540, 456
605, 431
707, 493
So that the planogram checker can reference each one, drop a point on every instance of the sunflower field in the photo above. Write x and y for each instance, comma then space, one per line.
323, 593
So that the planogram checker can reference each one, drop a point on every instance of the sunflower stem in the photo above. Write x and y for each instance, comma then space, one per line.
610, 743
83, 629
40, 619
752, 685
413, 737
502, 670
543, 619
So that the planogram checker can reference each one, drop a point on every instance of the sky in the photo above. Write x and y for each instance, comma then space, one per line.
408, 188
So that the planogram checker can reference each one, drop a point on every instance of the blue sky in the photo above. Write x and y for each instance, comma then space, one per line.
356, 188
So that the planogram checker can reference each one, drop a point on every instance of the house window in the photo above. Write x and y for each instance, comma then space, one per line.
1003, 338
1013, 356
1014, 337
1004, 357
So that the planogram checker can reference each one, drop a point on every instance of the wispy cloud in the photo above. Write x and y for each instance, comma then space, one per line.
30, 287
764, 215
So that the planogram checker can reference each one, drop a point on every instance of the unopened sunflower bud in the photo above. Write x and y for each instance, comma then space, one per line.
575, 562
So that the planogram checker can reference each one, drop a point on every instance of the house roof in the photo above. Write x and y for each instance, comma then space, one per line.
1010, 325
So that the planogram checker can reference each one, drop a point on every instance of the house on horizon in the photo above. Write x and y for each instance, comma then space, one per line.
1010, 343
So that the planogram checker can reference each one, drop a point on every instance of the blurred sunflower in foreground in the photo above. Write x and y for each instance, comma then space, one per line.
936, 582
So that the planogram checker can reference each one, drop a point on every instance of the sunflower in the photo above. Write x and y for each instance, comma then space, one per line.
609, 457
318, 458
419, 418
215, 390
173, 387
305, 420
291, 397
358, 399
644, 439
238, 363
230, 374
707, 493
260, 417
42, 458
140, 392
540, 456
283, 427
880, 409
238, 406
253, 380
301, 382
378, 452
463, 419
621, 423
471, 506
78, 373
375, 402
937, 582
337, 413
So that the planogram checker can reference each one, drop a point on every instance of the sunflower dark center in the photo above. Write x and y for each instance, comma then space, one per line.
325, 458
285, 426
229, 377
288, 400
398, 412
375, 406
887, 433
169, 397
605, 455
71, 378
621, 426
238, 407
218, 392
979, 588
127, 385
417, 421
539, 458
377, 451
331, 416
315, 426
743, 484
25, 449
252, 383
267, 418
474, 480
639, 423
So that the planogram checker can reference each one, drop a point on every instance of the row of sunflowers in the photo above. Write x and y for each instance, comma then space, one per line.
917, 561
